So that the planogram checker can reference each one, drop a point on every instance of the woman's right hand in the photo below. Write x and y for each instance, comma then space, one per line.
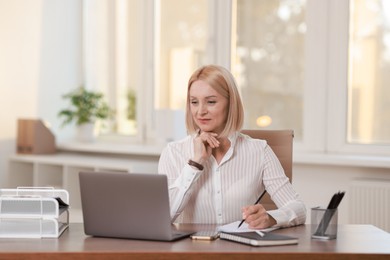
204, 143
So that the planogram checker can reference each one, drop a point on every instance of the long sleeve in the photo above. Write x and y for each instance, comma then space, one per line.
181, 177
291, 210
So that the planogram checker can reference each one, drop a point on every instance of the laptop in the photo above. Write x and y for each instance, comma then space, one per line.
127, 205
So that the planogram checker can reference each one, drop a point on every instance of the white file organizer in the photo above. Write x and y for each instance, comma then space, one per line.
29, 212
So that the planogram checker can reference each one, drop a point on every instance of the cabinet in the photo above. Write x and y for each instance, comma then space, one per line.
61, 170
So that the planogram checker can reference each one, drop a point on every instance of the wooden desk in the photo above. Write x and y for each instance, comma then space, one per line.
353, 242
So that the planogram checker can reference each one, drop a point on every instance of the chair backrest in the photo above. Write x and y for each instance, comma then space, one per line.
281, 142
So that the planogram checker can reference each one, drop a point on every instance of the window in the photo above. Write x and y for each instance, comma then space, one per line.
182, 44
268, 62
112, 57
369, 72
357, 108
182, 37
318, 67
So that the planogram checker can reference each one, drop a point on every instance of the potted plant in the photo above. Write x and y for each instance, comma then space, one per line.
86, 107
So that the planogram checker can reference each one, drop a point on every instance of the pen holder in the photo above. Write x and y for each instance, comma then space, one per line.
323, 223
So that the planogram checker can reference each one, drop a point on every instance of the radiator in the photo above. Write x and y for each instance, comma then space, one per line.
370, 203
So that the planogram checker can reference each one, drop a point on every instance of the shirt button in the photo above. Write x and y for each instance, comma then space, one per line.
218, 191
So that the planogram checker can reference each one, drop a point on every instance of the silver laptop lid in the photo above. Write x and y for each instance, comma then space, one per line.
125, 205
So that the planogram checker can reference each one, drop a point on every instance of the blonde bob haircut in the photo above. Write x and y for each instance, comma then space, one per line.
222, 81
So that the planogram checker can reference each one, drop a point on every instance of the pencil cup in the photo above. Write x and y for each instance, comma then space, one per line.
323, 223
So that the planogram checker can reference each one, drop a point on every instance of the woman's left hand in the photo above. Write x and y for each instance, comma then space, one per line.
257, 217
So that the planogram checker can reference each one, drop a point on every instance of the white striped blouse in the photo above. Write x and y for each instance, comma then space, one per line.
216, 194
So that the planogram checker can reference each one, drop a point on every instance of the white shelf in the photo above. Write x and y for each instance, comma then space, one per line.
61, 170
152, 149
76, 160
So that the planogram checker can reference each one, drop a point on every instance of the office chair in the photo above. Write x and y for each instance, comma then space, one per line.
281, 142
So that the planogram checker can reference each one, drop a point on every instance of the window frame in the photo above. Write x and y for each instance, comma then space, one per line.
326, 83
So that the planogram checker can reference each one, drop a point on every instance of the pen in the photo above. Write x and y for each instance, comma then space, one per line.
257, 201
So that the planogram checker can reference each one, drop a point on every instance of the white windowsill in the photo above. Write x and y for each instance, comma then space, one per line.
154, 150
342, 160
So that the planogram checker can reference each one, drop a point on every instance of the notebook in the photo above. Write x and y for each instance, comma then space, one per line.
262, 239
127, 205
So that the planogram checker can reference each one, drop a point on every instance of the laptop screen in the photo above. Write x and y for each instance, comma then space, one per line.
125, 205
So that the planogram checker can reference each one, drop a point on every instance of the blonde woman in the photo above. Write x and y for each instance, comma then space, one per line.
216, 173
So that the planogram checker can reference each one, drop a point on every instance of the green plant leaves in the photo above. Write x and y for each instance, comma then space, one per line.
85, 107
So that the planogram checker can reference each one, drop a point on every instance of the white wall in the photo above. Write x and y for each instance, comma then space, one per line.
40, 59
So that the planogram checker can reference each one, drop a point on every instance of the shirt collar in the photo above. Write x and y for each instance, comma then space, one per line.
232, 138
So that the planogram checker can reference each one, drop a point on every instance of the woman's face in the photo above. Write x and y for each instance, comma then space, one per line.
209, 109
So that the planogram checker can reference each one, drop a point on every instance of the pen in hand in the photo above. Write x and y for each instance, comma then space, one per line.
257, 201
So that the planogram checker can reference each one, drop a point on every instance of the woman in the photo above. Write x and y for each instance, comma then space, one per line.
216, 173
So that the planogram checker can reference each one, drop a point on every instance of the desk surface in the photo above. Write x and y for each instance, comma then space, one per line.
353, 241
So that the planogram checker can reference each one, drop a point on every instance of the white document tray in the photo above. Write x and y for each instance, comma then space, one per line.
32, 202
32, 212
34, 227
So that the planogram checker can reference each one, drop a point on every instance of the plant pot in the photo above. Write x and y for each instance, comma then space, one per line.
86, 133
